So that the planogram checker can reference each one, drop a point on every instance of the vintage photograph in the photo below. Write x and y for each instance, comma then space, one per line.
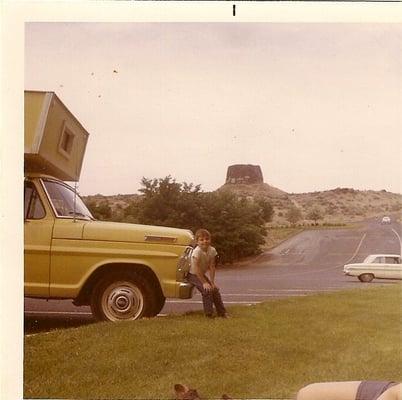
212, 209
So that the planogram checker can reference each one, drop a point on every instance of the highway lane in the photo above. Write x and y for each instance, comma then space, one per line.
310, 262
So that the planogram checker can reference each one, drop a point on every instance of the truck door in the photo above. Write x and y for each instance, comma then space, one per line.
38, 227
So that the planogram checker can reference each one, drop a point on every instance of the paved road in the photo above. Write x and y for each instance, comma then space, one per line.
308, 263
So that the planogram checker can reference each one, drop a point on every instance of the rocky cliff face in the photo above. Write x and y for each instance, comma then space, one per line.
244, 174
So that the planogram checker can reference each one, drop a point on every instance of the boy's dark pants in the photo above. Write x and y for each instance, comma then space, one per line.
209, 297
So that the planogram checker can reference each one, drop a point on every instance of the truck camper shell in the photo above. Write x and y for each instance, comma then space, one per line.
55, 141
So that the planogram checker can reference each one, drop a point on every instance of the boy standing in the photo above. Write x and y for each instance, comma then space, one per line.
203, 261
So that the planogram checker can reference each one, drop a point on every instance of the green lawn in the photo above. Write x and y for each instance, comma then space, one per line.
267, 350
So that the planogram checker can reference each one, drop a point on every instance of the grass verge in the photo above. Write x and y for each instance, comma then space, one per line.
264, 351
276, 236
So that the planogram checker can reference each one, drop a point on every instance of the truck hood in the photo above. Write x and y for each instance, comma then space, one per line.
122, 232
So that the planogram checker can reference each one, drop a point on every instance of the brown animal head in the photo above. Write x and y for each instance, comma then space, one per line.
183, 392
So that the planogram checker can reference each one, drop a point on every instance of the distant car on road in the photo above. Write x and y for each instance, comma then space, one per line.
386, 220
382, 266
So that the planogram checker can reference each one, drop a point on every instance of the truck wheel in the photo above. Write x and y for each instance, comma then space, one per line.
366, 277
157, 301
160, 302
123, 296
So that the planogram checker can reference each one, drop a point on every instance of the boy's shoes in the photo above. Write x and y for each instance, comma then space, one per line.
226, 315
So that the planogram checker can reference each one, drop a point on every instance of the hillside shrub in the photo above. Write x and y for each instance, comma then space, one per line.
294, 215
314, 214
101, 210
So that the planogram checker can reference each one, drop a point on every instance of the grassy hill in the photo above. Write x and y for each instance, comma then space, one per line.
339, 205
349, 203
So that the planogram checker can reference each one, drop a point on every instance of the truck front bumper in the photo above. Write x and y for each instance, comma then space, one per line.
185, 290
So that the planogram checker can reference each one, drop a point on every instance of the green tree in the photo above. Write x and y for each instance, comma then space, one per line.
169, 203
131, 212
294, 215
236, 224
266, 208
314, 214
101, 210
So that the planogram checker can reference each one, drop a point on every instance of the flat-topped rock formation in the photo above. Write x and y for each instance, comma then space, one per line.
247, 180
244, 174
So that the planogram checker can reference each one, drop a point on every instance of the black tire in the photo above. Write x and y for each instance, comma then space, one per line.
122, 296
157, 302
160, 302
366, 277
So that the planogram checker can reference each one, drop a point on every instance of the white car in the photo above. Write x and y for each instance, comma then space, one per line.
386, 220
383, 266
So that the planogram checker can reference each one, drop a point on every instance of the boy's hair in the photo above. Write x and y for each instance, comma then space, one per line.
202, 233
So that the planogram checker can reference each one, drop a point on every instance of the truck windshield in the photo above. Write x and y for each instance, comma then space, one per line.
63, 198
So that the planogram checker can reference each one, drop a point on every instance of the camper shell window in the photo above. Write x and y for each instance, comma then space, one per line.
66, 141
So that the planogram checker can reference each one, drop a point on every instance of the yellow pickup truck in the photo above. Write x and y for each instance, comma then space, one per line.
123, 271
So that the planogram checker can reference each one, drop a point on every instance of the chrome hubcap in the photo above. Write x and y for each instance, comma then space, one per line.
122, 301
